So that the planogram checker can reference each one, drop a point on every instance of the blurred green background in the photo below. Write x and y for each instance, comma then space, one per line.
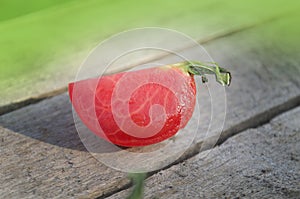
43, 42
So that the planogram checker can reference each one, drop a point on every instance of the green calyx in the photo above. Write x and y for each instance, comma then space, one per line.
223, 76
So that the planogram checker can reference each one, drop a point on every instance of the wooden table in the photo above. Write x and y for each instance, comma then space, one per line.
257, 155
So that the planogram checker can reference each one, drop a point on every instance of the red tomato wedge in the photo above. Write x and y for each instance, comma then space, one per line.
143, 107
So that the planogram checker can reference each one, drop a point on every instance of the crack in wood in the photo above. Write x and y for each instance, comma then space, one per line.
253, 122
272, 114
33, 100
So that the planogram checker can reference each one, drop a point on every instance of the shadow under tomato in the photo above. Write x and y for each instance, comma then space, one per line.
50, 121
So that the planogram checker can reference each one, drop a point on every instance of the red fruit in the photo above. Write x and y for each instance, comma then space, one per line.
142, 107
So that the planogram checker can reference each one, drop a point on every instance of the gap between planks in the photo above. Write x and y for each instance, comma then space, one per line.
257, 163
253, 122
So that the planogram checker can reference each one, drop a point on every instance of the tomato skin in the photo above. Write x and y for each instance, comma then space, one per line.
178, 103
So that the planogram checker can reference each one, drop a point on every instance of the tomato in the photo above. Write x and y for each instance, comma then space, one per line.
143, 107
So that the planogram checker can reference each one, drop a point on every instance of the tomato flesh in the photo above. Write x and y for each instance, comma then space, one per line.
170, 89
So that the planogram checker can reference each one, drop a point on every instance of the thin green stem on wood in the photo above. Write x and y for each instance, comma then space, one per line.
138, 189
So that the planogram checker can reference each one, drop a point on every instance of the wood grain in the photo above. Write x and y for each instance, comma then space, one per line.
43, 156
46, 158
257, 163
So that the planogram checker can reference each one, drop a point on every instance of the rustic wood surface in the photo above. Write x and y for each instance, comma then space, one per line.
42, 155
46, 159
258, 163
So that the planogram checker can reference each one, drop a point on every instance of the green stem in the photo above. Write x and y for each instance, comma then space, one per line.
223, 76
138, 181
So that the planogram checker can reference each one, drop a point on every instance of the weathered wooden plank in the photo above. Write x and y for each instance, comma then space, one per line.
257, 163
49, 124
46, 158
40, 55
